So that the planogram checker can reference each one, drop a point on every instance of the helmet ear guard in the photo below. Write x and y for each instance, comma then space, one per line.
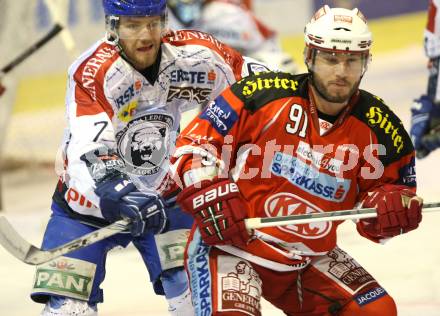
111, 26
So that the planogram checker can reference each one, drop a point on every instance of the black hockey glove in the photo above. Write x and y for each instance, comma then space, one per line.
119, 198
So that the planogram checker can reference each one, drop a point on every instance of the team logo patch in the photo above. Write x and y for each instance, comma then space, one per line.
220, 114
284, 204
143, 143
239, 286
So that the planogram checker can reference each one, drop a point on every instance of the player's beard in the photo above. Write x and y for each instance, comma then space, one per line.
326, 95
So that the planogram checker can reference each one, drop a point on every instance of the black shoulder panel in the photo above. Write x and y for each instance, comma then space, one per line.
258, 90
387, 127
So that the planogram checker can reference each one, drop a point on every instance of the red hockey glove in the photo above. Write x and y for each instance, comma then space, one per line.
399, 210
219, 211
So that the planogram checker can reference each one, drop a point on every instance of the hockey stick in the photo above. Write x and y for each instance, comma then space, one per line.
28, 253
56, 11
253, 223
57, 28
66, 37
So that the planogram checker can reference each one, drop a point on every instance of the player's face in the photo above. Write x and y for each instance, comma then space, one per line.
140, 38
337, 76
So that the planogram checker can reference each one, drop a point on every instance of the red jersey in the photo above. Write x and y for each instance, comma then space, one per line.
266, 130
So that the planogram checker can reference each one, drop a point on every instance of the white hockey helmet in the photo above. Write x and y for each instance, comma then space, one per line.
338, 30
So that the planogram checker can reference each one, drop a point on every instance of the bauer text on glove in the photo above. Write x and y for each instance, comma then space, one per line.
218, 209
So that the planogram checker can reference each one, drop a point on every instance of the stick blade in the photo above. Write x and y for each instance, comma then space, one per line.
17, 246
12, 241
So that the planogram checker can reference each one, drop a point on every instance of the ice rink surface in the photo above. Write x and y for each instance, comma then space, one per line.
407, 266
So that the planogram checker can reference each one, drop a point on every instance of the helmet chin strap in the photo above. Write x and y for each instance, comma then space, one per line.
111, 36
113, 39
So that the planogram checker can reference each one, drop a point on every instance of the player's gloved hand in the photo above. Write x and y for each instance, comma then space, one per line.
425, 126
399, 210
218, 209
119, 198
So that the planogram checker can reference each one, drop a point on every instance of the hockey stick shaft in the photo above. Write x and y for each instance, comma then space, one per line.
260, 222
57, 28
56, 10
16, 245
28, 253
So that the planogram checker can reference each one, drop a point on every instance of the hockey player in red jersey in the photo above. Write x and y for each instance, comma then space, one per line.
124, 102
279, 144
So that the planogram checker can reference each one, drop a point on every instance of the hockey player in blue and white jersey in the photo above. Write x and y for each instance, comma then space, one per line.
124, 102
425, 119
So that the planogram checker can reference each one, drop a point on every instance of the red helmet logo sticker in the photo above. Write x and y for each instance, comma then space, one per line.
283, 204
